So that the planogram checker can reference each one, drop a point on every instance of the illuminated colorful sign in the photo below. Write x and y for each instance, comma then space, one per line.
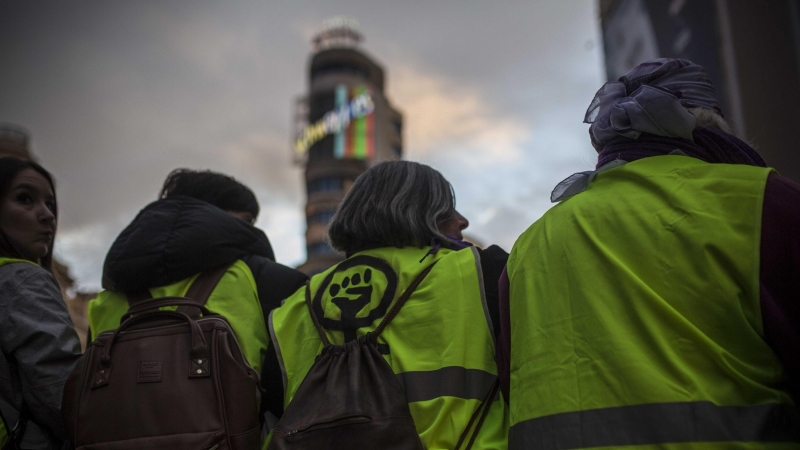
351, 123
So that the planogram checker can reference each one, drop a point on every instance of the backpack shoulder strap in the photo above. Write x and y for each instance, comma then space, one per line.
202, 287
138, 297
198, 292
483, 410
325, 341
401, 301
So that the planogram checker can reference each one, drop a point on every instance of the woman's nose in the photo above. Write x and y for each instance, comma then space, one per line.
46, 215
462, 221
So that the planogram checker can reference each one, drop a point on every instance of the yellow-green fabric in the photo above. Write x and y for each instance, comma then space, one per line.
440, 344
641, 294
235, 298
4, 261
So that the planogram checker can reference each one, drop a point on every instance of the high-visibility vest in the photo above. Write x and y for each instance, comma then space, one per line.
235, 297
440, 345
635, 315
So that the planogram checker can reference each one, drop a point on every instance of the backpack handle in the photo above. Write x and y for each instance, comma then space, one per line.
156, 303
199, 350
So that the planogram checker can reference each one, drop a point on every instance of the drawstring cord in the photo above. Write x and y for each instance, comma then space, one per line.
435, 245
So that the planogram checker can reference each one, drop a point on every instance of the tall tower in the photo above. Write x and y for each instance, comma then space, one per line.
342, 127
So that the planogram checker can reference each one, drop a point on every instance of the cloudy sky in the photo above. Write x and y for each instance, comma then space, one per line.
116, 94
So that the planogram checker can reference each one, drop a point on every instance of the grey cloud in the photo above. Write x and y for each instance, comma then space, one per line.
118, 93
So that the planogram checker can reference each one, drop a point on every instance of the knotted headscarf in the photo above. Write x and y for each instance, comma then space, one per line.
652, 98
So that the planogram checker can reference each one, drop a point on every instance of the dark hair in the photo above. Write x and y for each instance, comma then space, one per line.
393, 204
9, 168
220, 190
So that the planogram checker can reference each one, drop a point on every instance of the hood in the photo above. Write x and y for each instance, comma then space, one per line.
175, 238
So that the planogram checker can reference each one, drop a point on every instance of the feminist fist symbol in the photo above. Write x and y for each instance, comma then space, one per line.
351, 307
358, 285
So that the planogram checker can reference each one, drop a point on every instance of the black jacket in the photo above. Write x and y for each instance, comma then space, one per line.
175, 238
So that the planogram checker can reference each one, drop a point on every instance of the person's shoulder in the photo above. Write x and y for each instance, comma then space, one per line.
783, 184
493, 253
490, 260
274, 281
782, 196
16, 274
266, 266
21, 281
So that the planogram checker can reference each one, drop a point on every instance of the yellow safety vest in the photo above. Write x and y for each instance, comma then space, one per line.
440, 345
235, 298
635, 315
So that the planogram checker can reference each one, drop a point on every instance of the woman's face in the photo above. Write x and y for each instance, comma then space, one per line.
27, 213
454, 225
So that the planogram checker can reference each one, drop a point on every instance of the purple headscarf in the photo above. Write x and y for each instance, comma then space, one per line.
652, 98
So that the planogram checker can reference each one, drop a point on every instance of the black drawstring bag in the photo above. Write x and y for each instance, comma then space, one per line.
351, 398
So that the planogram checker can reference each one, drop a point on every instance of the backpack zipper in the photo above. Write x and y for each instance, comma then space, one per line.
332, 423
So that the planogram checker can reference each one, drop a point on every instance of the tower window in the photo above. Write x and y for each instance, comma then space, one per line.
322, 217
325, 184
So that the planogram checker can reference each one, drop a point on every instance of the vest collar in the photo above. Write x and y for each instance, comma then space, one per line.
578, 182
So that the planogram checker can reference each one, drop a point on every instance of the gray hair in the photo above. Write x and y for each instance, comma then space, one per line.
393, 204
708, 118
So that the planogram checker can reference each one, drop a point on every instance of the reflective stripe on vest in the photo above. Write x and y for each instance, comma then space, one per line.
640, 296
235, 297
440, 345
658, 423
451, 381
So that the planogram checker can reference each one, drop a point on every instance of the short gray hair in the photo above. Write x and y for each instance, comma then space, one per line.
393, 204
708, 118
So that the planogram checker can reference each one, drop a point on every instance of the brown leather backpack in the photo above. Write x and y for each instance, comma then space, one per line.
351, 398
165, 380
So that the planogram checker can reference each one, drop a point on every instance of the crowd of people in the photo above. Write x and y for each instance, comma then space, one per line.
655, 305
